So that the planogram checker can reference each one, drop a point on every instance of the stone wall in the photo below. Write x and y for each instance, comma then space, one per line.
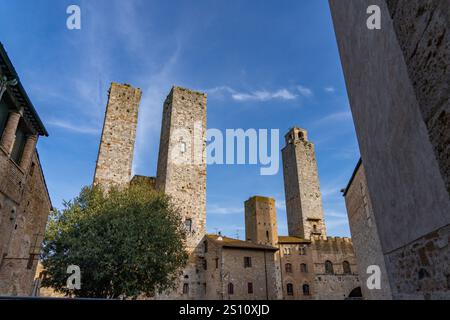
21, 252
181, 172
399, 104
302, 187
261, 221
423, 31
115, 157
297, 254
365, 235
339, 284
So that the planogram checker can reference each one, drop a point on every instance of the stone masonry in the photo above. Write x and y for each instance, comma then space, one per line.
365, 234
24, 199
302, 187
115, 156
181, 173
397, 80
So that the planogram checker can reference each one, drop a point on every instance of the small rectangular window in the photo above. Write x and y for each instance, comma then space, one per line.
19, 143
186, 288
247, 262
250, 288
217, 263
188, 225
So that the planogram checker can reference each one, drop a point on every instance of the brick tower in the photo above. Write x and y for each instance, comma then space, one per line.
301, 186
115, 154
181, 174
261, 221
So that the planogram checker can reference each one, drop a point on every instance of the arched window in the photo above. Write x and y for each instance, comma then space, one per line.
186, 288
346, 267
230, 288
288, 268
290, 289
306, 291
303, 268
329, 267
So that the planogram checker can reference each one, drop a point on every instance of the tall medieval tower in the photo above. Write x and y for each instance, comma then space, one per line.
301, 186
116, 150
181, 174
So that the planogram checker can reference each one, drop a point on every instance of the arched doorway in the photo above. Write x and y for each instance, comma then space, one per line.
355, 294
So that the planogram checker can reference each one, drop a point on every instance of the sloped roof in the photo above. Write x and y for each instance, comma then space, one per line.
238, 244
293, 240
20, 95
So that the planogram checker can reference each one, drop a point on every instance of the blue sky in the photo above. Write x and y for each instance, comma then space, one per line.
264, 64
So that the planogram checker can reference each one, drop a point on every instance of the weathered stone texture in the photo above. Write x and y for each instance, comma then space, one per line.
399, 103
296, 253
421, 270
365, 235
115, 156
23, 225
261, 221
423, 31
339, 284
302, 187
181, 172
225, 266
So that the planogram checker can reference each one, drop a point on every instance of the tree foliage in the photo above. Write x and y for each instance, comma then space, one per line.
127, 243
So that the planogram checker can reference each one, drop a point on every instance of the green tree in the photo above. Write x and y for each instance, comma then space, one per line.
127, 243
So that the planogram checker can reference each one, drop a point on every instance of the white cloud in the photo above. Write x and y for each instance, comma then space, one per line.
258, 96
73, 127
330, 89
304, 91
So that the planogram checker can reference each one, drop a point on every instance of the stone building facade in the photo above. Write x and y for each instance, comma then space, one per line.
118, 136
239, 270
400, 105
24, 200
264, 265
365, 234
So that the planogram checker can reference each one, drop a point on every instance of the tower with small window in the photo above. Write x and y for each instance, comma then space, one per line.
261, 221
302, 187
181, 173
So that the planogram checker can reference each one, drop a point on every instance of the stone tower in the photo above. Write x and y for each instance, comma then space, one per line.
181, 174
115, 154
261, 221
301, 185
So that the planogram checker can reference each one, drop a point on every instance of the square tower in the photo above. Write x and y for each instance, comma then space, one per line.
181, 174
261, 221
301, 186
115, 155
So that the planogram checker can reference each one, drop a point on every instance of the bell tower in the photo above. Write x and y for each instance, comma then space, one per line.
302, 187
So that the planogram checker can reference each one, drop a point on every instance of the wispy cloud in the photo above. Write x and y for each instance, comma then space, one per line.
334, 117
258, 95
218, 209
73, 127
304, 91
330, 89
